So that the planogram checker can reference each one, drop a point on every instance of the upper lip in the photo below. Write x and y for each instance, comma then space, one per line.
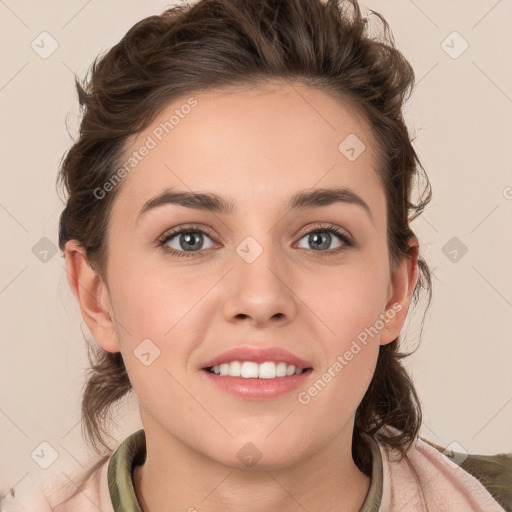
258, 355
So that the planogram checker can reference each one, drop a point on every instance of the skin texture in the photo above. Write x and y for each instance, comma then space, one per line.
257, 148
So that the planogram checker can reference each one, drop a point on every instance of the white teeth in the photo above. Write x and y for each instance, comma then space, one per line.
267, 371
281, 370
251, 370
235, 369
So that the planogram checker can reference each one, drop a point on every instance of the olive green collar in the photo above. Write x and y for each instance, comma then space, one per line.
132, 452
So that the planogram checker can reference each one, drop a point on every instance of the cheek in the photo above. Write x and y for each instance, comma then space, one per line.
341, 387
344, 377
154, 303
346, 300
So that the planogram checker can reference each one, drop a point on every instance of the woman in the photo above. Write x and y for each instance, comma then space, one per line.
237, 234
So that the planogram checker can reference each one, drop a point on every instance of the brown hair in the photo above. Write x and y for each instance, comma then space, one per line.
244, 43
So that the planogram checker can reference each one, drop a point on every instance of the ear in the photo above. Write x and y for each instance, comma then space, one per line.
92, 295
401, 286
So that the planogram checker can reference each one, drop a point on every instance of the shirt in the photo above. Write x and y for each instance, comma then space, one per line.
426, 477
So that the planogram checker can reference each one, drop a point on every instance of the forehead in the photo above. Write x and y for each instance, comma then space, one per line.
261, 142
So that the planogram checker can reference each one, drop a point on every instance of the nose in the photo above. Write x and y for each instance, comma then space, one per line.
260, 292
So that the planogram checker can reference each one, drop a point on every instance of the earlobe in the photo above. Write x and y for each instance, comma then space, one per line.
403, 282
92, 295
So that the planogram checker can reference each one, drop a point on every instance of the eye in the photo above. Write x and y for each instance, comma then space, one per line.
185, 241
321, 238
189, 241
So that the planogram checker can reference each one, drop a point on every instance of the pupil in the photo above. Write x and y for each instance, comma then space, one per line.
187, 238
318, 236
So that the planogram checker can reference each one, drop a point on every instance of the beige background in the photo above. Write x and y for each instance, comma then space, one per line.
460, 111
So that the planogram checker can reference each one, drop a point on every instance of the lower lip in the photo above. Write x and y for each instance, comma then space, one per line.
258, 389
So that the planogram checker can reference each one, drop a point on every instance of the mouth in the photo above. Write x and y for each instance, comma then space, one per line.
257, 381
255, 370
257, 373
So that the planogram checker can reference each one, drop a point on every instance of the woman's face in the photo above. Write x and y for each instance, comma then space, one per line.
249, 274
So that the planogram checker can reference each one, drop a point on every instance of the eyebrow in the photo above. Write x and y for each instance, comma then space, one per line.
212, 202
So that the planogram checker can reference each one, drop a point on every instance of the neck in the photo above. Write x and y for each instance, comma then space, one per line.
326, 481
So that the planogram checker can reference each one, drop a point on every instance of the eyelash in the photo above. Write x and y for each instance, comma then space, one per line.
324, 228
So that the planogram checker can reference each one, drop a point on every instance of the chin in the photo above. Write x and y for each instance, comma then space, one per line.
261, 454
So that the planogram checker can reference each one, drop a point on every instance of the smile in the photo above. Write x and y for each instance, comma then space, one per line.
253, 370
